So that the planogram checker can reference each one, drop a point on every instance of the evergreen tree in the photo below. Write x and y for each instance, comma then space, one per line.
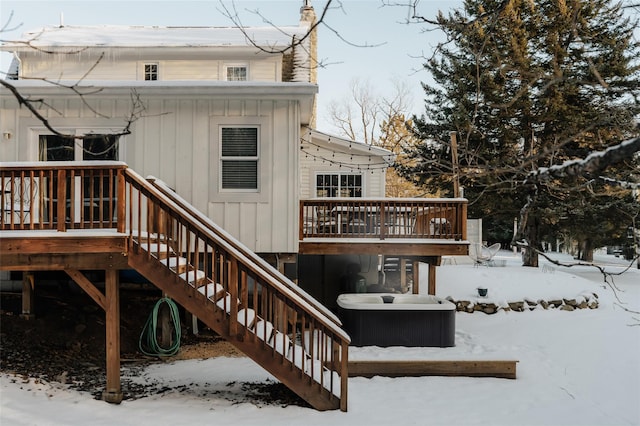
528, 85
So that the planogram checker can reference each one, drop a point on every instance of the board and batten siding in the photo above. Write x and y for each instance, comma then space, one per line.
177, 142
128, 68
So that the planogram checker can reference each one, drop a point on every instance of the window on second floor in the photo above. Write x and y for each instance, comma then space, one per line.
236, 73
150, 72
239, 158
338, 185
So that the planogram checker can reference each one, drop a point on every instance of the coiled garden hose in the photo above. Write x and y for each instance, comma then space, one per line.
148, 341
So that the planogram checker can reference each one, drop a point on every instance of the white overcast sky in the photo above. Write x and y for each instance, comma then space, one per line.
360, 22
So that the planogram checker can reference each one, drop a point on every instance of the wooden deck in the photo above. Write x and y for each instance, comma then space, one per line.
412, 227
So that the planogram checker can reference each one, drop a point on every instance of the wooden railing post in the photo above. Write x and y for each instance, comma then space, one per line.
383, 219
463, 221
344, 374
121, 199
301, 229
62, 200
233, 297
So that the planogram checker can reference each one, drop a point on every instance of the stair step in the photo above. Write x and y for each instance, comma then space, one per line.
159, 250
280, 342
178, 264
212, 291
148, 236
299, 357
247, 317
193, 277
264, 328
224, 303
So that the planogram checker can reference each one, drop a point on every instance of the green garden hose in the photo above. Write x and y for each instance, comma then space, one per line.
148, 341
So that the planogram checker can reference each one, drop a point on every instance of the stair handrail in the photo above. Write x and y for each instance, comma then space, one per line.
166, 190
260, 268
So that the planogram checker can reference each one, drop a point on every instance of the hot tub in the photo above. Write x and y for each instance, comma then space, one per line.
383, 319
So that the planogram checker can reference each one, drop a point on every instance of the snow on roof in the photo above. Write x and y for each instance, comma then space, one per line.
326, 139
153, 36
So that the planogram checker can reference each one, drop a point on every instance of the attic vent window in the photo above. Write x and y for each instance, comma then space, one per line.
150, 72
239, 158
236, 73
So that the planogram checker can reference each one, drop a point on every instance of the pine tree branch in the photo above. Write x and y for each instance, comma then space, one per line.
594, 162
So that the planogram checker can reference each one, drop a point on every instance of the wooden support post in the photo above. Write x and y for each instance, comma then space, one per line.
416, 277
28, 286
432, 279
113, 392
166, 326
403, 273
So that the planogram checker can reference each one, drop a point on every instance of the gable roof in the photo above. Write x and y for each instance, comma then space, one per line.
332, 142
353, 155
101, 36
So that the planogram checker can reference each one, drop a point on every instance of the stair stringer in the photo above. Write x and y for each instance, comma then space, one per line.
247, 342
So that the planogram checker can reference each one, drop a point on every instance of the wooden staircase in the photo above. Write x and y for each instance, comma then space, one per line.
127, 221
239, 296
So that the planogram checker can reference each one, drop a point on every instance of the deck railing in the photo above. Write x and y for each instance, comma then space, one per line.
386, 218
61, 195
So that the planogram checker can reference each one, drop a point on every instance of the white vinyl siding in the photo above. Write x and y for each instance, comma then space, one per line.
239, 158
190, 70
131, 67
178, 141
373, 181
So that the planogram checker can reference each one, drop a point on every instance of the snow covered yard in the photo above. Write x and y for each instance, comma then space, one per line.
580, 367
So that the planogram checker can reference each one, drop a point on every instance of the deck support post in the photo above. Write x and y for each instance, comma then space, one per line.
416, 277
403, 273
113, 392
433, 262
166, 327
432, 280
28, 297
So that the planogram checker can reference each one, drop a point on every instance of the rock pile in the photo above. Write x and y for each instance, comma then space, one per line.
583, 301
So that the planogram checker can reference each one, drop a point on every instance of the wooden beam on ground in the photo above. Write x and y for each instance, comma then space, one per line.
500, 369
113, 392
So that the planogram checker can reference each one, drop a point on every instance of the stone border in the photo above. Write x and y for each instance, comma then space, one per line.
583, 301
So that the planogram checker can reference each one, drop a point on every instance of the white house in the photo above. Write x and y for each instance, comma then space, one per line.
222, 124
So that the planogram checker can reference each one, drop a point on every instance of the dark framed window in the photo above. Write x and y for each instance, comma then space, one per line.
236, 73
339, 185
95, 194
239, 158
150, 72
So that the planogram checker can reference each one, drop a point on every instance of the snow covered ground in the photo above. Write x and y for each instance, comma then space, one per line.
575, 368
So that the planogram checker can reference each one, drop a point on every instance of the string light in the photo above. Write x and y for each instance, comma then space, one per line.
370, 165
347, 165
